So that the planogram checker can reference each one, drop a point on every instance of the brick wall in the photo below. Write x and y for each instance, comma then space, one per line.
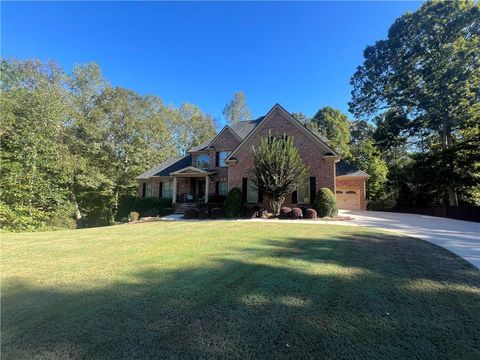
311, 152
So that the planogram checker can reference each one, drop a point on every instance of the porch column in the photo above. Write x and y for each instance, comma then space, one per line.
174, 190
207, 185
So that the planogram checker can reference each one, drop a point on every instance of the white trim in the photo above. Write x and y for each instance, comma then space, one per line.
193, 170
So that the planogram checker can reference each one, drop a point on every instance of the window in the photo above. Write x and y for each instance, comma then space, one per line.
167, 190
203, 161
222, 155
339, 192
222, 188
351, 192
148, 189
278, 137
303, 193
252, 192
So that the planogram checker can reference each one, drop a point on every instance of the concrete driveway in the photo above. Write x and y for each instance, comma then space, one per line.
460, 237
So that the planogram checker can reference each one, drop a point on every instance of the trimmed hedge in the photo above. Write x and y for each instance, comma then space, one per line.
203, 213
296, 213
325, 203
167, 211
310, 214
216, 213
151, 206
285, 212
233, 204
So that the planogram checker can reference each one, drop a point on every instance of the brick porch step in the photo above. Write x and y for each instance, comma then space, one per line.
180, 208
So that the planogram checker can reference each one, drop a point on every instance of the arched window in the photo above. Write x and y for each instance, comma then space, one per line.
338, 192
351, 192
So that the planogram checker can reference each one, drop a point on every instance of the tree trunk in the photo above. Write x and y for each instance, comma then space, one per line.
78, 213
32, 181
446, 141
276, 205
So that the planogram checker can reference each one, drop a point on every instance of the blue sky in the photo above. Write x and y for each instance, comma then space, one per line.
301, 55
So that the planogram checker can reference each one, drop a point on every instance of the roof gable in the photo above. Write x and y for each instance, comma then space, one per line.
343, 168
264, 122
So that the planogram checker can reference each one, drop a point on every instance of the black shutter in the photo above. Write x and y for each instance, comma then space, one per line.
217, 159
244, 189
294, 197
144, 189
160, 189
217, 187
313, 188
260, 195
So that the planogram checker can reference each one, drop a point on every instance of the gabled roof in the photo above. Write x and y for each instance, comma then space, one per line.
308, 132
343, 168
243, 128
202, 146
167, 167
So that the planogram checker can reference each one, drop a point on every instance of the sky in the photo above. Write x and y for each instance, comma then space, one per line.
301, 55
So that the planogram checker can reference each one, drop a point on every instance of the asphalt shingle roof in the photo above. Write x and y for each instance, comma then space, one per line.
167, 167
343, 168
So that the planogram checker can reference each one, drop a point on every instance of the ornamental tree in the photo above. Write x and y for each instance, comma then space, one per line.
277, 169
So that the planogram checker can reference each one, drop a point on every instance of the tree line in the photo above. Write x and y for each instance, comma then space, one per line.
72, 144
416, 100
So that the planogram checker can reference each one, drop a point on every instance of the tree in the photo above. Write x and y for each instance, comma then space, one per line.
277, 169
335, 126
429, 66
368, 158
190, 126
237, 110
360, 130
300, 116
34, 107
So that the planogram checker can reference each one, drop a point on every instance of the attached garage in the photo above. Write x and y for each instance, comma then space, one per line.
348, 199
350, 187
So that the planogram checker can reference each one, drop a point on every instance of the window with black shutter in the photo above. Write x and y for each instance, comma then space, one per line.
313, 188
144, 189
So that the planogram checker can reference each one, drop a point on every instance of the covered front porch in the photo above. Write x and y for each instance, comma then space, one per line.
191, 185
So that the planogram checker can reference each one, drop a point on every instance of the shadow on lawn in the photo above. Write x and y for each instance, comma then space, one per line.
347, 297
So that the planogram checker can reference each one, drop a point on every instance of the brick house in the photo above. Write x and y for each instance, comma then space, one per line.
210, 169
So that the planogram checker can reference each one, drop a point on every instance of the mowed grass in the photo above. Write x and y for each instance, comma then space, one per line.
235, 290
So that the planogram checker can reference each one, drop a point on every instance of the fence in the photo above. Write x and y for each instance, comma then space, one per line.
468, 213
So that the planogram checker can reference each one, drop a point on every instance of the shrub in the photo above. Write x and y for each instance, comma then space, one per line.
191, 214
262, 213
167, 211
310, 214
134, 216
304, 210
233, 203
216, 213
385, 203
203, 213
251, 212
151, 205
285, 212
296, 213
126, 203
325, 203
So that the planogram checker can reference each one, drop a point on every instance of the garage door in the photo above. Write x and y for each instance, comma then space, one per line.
348, 199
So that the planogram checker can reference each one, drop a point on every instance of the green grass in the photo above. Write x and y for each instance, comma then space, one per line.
235, 289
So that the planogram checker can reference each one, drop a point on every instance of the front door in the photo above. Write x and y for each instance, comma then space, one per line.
200, 189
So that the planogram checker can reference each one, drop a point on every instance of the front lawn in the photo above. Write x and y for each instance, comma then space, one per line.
235, 289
